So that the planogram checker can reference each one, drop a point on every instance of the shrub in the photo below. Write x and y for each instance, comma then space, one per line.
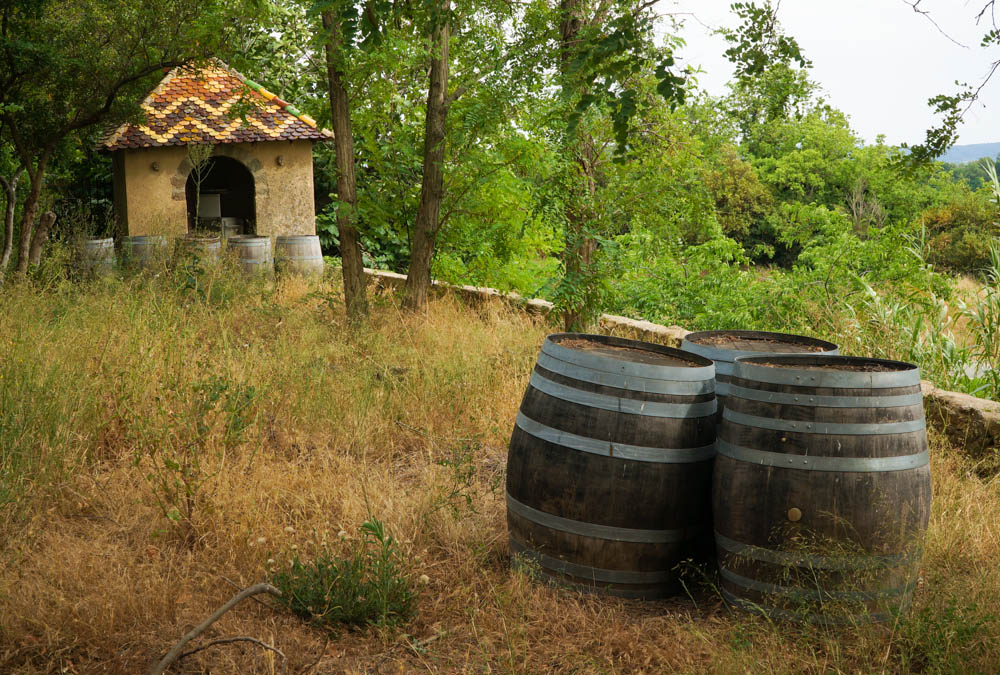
363, 584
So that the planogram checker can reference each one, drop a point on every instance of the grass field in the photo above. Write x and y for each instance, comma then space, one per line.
163, 443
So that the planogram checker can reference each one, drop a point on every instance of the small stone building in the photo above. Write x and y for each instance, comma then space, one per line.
260, 172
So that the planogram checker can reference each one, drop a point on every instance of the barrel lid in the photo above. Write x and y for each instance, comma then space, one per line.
628, 357
810, 370
728, 345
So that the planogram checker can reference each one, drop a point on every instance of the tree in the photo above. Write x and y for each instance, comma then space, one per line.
67, 66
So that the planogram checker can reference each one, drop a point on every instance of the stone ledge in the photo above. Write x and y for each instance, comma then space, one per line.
973, 423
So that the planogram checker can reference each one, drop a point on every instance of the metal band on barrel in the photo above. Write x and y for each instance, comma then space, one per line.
811, 593
617, 450
830, 428
835, 379
797, 559
631, 406
825, 401
588, 572
819, 619
814, 463
599, 531
629, 382
578, 357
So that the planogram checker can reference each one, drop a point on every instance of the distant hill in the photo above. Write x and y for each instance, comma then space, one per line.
960, 154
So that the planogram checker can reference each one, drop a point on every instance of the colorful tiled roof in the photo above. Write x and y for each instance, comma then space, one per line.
190, 105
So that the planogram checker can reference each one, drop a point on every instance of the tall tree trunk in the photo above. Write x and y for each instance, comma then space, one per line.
10, 188
38, 239
37, 177
579, 247
418, 280
352, 265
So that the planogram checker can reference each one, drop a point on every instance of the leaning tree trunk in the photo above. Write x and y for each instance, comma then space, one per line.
418, 280
10, 188
352, 265
40, 236
37, 177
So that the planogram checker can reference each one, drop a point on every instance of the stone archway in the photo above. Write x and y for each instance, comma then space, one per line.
228, 190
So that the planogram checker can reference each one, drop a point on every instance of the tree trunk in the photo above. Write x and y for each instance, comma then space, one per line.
38, 239
10, 187
418, 280
352, 265
579, 247
37, 177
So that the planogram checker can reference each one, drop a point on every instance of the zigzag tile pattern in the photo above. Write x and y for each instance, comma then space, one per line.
213, 105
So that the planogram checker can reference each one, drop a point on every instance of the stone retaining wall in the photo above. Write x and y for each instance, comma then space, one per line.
972, 422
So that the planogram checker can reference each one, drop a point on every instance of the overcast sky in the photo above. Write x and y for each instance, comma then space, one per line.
876, 60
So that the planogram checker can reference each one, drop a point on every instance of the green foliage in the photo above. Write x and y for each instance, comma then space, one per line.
959, 233
944, 640
351, 583
214, 416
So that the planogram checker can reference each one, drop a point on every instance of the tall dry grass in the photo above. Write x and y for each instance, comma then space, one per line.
404, 418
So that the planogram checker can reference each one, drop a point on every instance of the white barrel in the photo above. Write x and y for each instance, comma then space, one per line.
96, 257
253, 253
145, 251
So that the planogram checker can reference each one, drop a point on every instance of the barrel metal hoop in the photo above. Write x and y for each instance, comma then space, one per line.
796, 559
588, 572
629, 382
819, 619
594, 446
622, 405
825, 401
829, 428
812, 593
814, 463
608, 365
835, 379
598, 531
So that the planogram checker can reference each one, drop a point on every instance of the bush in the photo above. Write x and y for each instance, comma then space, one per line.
365, 584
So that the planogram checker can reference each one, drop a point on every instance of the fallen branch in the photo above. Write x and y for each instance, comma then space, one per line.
230, 640
175, 653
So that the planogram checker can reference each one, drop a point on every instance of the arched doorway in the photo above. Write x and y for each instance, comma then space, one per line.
227, 191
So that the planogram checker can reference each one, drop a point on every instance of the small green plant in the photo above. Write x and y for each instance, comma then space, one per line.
945, 640
217, 417
362, 583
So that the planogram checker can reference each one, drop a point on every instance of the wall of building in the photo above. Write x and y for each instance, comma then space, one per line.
153, 180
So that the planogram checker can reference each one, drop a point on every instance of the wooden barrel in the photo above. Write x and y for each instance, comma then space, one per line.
201, 248
822, 491
725, 346
96, 257
298, 254
610, 462
253, 254
145, 251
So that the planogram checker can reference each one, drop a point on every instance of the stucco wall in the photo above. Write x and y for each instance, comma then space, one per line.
154, 182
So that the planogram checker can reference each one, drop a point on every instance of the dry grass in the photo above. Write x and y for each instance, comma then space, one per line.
383, 419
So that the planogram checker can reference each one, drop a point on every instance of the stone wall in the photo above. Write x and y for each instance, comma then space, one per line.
973, 423
149, 187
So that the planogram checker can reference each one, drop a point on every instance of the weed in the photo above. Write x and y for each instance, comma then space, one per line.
363, 583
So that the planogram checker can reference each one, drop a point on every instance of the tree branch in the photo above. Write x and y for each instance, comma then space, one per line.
175, 652
927, 15
231, 640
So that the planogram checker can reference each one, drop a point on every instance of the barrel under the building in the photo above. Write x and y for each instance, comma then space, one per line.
610, 461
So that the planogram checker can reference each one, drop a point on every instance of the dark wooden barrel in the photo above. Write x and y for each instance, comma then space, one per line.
145, 251
822, 491
609, 469
96, 257
298, 254
253, 253
725, 346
